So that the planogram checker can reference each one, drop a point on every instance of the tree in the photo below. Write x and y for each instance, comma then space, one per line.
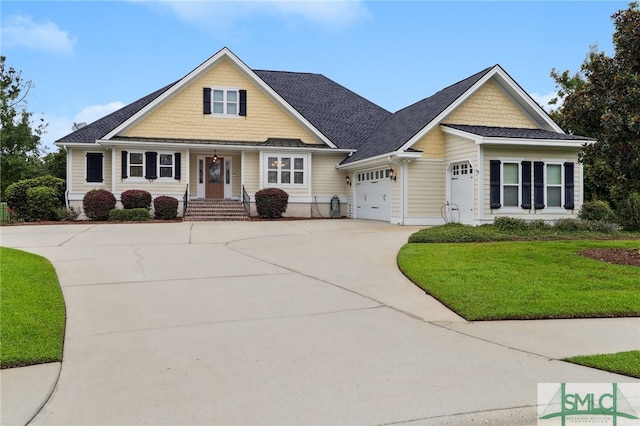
55, 164
602, 101
19, 142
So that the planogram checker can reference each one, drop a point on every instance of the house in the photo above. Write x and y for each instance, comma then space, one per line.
478, 149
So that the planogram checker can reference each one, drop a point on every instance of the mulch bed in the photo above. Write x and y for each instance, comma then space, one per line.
614, 255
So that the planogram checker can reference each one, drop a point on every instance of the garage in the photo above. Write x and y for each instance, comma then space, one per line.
373, 194
461, 210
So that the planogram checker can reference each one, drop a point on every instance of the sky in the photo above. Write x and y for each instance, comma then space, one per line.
89, 58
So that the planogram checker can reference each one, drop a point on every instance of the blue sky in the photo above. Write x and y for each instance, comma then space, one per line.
89, 58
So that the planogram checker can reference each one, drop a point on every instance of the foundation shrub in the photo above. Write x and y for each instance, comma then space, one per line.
511, 224
97, 204
136, 199
16, 193
130, 215
165, 208
596, 210
271, 202
43, 203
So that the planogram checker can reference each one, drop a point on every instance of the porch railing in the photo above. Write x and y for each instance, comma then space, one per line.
246, 201
185, 201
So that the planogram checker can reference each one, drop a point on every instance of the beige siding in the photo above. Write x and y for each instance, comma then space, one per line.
193, 178
326, 179
181, 116
160, 186
426, 183
490, 106
79, 167
396, 192
251, 173
532, 154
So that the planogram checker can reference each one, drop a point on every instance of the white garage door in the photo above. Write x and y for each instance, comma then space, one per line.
373, 190
462, 193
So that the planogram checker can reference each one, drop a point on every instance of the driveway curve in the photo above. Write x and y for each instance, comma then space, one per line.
287, 322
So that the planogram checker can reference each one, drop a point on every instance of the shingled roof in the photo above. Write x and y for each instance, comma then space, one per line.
515, 133
401, 126
104, 125
343, 116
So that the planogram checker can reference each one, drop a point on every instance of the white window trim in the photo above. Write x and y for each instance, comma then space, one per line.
554, 162
516, 208
144, 165
173, 165
305, 171
104, 179
225, 102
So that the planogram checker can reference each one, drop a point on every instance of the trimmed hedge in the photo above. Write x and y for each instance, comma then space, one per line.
271, 202
16, 194
43, 203
165, 208
136, 199
596, 210
97, 204
130, 215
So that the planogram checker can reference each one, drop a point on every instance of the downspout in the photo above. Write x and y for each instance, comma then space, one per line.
68, 172
480, 170
113, 170
403, 181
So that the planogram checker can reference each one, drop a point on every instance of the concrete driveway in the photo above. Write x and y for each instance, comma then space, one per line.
290, 322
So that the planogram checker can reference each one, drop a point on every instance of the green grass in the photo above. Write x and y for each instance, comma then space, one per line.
524, 280
32, 307
626, 363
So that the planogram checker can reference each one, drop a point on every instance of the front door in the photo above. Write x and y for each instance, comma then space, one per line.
214, 184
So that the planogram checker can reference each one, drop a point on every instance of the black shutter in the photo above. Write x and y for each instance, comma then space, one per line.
206, 100
538, 185
94, 167
125, 166
526, 184
177, 166
151, 160
243, 103
494, 179
568, 186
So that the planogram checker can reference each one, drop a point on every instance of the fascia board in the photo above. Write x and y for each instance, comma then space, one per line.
72, 145
193, 75
378, 159
461, 133
554, 143
213, 145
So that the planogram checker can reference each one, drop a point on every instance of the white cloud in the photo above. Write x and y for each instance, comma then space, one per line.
62, 126
22, 31
214, 15
543, 100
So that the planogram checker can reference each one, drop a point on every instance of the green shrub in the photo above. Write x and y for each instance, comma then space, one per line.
457, 233
71, 214
43, 203
577, 225
271, 202
628, 212
510, 224
97, 203
129, 215
165, 208
596, 210
136, 199
16, 193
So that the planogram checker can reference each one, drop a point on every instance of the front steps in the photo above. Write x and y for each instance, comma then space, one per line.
215, 210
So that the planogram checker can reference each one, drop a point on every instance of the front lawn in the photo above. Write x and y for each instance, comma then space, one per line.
33, 312
524, 280
626, 363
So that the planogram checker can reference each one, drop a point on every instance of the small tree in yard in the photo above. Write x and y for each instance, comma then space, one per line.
271, 202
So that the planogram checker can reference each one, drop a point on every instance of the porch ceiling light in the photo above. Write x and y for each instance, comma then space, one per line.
215, 156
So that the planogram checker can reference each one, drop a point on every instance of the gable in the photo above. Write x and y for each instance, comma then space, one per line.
489, 105
181, 116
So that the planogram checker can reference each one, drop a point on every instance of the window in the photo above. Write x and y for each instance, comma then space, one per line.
136, 164
286, 170
94, 162
225, 101
554, 185
510, 184
166, 165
